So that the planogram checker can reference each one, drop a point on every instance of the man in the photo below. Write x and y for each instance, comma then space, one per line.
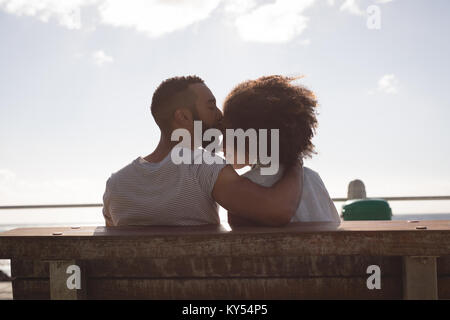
156, 191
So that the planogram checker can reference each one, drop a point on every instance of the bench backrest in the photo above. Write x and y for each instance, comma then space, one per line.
300, 261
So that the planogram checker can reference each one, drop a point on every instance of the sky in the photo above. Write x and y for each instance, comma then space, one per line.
77, 77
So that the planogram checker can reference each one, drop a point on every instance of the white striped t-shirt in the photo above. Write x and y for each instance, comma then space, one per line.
163, 193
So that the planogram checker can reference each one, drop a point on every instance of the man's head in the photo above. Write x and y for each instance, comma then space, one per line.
178, 101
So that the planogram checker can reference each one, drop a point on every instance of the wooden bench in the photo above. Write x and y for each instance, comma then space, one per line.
300, 261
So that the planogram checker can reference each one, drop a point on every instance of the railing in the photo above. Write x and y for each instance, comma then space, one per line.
92, 205
48, 206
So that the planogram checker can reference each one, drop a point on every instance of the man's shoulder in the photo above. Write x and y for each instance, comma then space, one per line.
203, 161
206, 157
124, 172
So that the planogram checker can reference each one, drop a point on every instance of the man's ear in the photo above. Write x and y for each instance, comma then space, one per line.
183, 117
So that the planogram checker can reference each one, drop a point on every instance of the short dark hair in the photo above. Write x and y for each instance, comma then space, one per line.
273, 102
167, 97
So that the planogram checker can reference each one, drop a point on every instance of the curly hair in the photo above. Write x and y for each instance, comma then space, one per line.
167, 96
273, 102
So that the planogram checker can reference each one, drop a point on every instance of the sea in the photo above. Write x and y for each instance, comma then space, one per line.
26, 218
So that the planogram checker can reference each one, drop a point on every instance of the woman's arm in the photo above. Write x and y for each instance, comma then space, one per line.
235, 220
273, 206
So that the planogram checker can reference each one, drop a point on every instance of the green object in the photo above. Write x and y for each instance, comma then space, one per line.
366, 209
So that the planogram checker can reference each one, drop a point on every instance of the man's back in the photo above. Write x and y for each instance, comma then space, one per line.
163, 193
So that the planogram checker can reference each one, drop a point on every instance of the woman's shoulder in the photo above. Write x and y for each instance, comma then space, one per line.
313, 179
255, 176
312, 175
310, 172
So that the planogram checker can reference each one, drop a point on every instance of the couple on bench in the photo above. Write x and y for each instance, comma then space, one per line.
156, 190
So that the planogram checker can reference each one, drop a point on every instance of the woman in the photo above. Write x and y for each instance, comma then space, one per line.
274, 102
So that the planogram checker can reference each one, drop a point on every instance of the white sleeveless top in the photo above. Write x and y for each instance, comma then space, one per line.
315, 203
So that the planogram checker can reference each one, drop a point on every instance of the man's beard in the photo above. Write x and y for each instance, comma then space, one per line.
204, 128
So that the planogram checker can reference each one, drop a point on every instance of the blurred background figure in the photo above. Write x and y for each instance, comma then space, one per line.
356, 190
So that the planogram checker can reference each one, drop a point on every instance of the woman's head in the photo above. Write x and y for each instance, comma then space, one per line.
274, 102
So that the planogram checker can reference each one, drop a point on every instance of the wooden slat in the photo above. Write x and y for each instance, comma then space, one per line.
304, 266
40, 289
31, 289
388, 243
29, 269
251, 288
302, 227
268, 288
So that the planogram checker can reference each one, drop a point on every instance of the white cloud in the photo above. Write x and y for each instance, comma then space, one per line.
101, 58
66, 12
352, 6
387, 84
155, 17
239, 6
276, 22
